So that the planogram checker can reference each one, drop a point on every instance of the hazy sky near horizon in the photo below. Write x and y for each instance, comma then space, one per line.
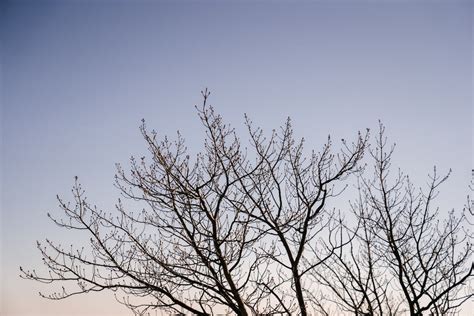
77, 78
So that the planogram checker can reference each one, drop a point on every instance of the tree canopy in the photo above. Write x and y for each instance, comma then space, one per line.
249, 230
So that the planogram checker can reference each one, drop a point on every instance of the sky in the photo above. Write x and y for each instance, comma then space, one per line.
78, 76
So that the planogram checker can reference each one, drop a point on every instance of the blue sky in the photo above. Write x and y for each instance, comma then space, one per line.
78, 76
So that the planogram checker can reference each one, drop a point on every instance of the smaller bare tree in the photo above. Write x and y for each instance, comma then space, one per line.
402, 257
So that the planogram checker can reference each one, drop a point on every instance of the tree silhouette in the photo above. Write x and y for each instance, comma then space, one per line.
248, 230
401, 258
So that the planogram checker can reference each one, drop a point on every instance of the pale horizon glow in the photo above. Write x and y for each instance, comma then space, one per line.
77, 78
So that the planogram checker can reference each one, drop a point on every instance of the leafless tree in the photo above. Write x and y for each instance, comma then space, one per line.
250, 230
233, 230
402, 257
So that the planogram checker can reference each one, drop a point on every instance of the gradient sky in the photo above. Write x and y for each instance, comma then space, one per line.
78, 76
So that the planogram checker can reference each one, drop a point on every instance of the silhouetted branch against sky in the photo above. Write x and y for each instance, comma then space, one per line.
249, 230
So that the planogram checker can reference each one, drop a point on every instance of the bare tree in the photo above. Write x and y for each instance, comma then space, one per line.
250, 230
233, 230
401, 258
